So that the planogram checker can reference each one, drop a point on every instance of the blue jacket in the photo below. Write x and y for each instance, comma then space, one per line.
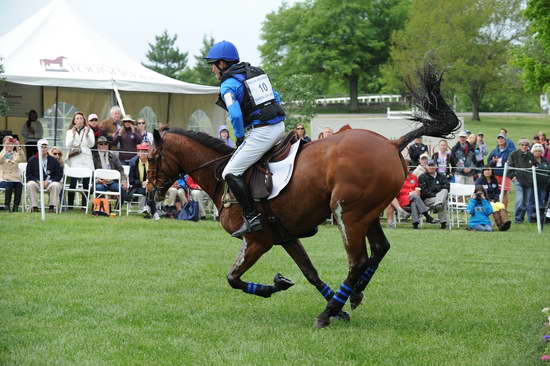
499, 154
479, 213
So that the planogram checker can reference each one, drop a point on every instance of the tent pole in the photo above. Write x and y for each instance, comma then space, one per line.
168, 109
55, 121
42, 101
119, 100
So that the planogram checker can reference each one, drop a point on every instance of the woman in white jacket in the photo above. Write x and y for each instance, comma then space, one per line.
79, 137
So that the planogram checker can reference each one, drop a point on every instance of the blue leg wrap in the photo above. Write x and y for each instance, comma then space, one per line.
342, 294
326, 291
367, 275
258, 289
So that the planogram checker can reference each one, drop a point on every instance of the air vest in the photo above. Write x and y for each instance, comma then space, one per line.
258, 101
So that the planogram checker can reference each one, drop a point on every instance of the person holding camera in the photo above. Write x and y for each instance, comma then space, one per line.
479, 209
10, 179
490, 186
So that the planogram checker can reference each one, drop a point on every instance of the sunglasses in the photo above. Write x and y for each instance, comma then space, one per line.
300, 128
57, 154
141, 123
523, 144
93, 120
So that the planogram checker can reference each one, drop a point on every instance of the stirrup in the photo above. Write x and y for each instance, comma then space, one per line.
249, 225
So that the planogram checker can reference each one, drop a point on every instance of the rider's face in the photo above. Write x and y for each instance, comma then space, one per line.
217, 67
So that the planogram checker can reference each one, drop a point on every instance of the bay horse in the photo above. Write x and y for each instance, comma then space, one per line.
353, 175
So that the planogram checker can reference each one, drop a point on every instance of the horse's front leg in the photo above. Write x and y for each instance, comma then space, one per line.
251, 251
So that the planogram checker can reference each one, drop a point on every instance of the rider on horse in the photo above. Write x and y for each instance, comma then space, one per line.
255, 111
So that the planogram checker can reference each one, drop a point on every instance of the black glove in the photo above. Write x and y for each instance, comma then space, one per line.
240, 140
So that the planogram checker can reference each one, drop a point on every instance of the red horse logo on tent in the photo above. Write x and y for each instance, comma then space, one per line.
47, 63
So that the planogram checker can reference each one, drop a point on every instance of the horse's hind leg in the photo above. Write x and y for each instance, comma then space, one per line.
379, 247
250, 252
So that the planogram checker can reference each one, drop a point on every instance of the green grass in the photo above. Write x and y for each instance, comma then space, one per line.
81, 290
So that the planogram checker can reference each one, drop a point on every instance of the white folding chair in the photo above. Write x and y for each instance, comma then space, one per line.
77, 173
3, 190
133, 200
109, 174
458, 202
23, 172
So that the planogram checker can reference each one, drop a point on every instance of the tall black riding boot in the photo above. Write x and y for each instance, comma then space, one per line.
252, 218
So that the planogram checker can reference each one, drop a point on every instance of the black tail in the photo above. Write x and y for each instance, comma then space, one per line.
442, 121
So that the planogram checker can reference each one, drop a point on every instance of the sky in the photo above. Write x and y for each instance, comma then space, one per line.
134, 24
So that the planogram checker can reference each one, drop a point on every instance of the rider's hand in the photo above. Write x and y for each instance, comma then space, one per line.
240, 140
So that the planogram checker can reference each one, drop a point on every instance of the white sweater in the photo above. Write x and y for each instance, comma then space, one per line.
75, 139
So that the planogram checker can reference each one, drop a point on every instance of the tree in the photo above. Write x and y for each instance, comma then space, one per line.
165, 56
331, 39
298, 93
471, 39
201, 73
4, 107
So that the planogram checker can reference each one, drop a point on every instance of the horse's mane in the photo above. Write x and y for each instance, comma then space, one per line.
204, 139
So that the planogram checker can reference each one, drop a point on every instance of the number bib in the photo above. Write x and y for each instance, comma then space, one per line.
260, 89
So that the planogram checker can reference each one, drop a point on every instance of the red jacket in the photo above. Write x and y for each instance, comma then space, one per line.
191, 183
410, 184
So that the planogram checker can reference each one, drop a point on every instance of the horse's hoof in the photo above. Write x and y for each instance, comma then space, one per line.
342, 315
355, 300
282, 283
321, 323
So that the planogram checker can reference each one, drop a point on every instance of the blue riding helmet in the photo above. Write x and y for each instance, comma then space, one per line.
223, 50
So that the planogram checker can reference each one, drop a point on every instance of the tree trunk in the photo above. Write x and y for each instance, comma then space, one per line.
353, 92
476, 94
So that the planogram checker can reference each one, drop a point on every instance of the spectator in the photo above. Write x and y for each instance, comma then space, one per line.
79, 139
478, 155
94, 125
163, 126
416, 149
111, 124
198, 195
442, 157
482, 145
104, 159
479, 209
52, 177
545, 144
32, 131
138, 175
462, 157
489, 184
143, 133
176, 191
536, 140
10, 178
523, 181
421, 168
128, 138
223, 134
509, 143
497, 158
434, 189
58, 154
301, 131
326, 133
543, 177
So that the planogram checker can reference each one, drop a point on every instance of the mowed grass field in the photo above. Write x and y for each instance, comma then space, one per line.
80, 290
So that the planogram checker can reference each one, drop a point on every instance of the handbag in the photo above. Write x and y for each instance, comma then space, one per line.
77, 150
189, 211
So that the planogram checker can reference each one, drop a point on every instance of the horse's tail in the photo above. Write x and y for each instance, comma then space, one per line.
442, 121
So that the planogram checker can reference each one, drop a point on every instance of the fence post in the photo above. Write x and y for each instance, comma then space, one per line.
536, 193
41, 183
503, 182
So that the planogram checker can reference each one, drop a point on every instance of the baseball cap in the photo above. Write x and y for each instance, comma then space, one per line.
128, 118
102, 139
143, 146
424, 156
92, 116
501, 135
463, 134
42, 142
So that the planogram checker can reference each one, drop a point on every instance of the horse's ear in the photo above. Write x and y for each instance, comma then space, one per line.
157, 138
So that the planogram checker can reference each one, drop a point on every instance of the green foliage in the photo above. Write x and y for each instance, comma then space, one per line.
298, 95
470, 39
165, 56
4, 107
345, 40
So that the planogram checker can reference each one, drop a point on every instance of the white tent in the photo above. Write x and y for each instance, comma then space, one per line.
64, 66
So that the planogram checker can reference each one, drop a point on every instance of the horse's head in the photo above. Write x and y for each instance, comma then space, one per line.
161, 173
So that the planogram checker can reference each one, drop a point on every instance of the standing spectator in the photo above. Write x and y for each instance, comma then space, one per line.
523, 181
143, 133
10, 178
32, 131
301, 131
543, 177
509, 143
104, 159
489, 184
327, 131
79, 139
111, 124
462, 157
94, 125
52, 177
128, 139
223, 134
442, 157
478, 155
479, 209
482, 145
57, 153
497, 158
416, 149
421, 168
434, 190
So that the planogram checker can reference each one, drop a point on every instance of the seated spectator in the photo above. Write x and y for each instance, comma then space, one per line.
10, 179
479, 209
143, 133
523, 181
489, 184
442, 157
138, 180
421, 168
104, 159
497, 158
434, 190
127, 138
301, 131
94, 125
176, 191
416, 149
57, 153
543, 177
31, 132
52, 174
463, 158
223, 134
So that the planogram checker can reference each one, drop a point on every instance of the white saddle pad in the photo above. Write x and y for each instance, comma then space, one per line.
282, 171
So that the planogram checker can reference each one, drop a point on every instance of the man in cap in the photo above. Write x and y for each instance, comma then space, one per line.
423, 162
523, 180
52, 175
104, 159
497, 159
254, 108
463, 158
434, 190
94, 125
